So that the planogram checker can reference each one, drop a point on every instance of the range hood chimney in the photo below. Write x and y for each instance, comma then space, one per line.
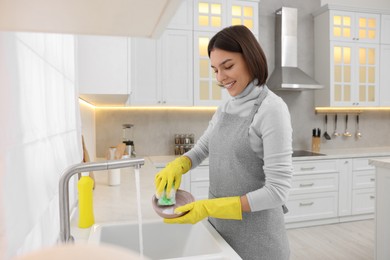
287, 75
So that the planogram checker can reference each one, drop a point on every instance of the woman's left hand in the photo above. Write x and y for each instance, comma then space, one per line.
224, 208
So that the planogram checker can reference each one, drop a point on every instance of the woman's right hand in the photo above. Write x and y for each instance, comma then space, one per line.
171, 175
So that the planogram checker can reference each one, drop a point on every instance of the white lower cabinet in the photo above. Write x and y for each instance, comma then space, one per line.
200, 182
363, 201
311, 206
314, 193
363, 187
322, 191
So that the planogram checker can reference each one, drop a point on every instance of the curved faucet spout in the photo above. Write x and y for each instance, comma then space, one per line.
65, 235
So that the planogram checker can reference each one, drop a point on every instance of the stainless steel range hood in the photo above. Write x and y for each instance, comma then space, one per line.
287, 75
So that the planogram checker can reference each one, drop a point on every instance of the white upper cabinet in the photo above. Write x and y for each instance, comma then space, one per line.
210, 17
102, 64
352, 26
102, 69
213, 15
385, 75
144, 70
385, 29
161, 70
347, 59
177, 67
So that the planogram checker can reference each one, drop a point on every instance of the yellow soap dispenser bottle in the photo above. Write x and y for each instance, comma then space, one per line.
85, 188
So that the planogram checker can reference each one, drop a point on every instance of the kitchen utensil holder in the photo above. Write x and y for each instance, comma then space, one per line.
315, 144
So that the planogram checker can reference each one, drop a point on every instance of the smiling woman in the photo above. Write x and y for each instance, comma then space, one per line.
249, 146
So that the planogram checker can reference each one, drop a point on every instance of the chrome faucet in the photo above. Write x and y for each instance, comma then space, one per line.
65, 236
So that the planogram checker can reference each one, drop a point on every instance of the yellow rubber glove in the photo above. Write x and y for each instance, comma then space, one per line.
171, 175
225, 208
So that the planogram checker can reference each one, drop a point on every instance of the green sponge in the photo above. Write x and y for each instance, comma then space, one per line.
167, 201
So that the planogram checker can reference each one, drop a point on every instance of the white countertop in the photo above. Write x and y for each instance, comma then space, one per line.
382, 162
348, 153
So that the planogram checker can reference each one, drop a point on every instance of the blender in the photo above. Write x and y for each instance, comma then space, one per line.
127, 136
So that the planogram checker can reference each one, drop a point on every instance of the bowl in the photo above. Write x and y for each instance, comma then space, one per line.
182, 197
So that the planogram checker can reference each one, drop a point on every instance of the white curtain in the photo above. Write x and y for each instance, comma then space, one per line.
40, 136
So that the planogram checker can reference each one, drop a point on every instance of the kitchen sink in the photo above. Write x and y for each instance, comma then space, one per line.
165, 241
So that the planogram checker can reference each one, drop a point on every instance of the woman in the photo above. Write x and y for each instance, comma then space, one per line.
249, 145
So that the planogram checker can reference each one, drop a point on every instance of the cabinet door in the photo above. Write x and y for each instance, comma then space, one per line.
102, 65
345, 187
206, 89
355, 27
367, 27
245, 13
367, 72
385, 75
145, 81
385, 29
342, 73
177, 70
209, 15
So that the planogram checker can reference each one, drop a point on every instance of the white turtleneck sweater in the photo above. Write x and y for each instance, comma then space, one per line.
270, 137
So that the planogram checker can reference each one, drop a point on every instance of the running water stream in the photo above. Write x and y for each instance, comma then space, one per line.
138, 190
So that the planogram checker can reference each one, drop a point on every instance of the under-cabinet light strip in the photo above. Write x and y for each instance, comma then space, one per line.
147, 108
350, 109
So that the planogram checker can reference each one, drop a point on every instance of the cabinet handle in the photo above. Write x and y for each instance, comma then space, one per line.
372, 179
164, 102
201, 179
306, 184
308, 168
158, 102
301, 204
372, 197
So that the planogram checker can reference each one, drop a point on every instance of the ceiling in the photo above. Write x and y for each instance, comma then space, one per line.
138, 18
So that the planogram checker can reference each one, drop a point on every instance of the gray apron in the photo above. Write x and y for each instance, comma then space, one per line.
235, 170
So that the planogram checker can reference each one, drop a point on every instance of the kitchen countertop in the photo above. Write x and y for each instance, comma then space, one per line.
348, 153
118, 203
382, 162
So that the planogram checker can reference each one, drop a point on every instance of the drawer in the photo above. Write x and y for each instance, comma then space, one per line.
363, 201
200, 190
311, 207
309, 167
200, 174
314, 183
363, 179
361, 164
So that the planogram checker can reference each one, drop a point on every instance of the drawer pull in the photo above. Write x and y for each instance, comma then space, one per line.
372, 197
306, 184
372, 179
308, 168
201, 179
306, 204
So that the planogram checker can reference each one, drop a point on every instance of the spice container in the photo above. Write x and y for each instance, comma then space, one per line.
177, 139
183, 143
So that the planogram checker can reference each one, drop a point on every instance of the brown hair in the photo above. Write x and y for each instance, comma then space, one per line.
239, 38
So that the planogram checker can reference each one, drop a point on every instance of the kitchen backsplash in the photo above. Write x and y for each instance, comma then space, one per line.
154, 130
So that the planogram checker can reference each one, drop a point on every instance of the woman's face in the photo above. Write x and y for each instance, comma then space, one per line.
230, 70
